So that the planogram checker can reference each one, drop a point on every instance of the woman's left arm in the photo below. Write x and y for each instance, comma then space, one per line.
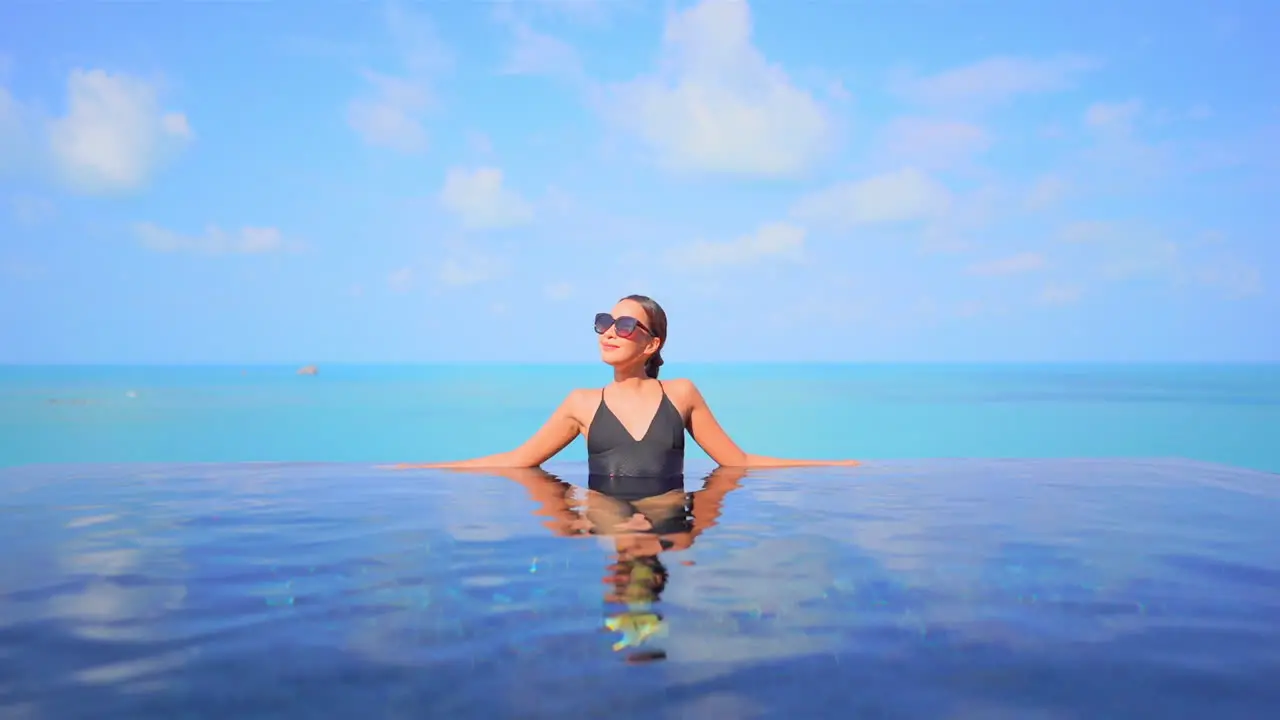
712, 438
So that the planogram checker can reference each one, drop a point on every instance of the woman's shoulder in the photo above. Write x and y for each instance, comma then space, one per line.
579, 396
680, 387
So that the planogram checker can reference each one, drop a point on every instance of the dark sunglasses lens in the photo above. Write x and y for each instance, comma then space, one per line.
603, 321
626, 326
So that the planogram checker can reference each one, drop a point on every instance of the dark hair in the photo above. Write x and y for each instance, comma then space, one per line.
658, 324
628, 579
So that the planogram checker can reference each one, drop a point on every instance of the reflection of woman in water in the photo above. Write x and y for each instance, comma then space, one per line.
634, 426
640, 530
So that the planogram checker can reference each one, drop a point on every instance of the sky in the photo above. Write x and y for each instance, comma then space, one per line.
794, 181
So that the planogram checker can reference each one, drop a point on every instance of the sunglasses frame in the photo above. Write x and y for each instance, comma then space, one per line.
613, 323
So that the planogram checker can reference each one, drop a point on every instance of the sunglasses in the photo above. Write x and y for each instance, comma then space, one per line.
625, 326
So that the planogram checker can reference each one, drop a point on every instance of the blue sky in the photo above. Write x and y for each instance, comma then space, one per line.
928, 181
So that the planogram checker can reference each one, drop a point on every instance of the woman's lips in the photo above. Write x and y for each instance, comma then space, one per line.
608, 346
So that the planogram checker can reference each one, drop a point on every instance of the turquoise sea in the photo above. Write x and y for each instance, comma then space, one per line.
1022, 542
1226, 414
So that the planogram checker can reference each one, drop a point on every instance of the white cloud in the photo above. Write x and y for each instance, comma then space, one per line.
965, 216
1200, 111
1060, 294
717, 105
1120, 251
114, 133
837, 91
481, 202
1090, 231
392, 112
1116, 118
470, 269
925, 142
1120, 156
399, 280
944, 238
1123, 250
1235, 278
479, 143
592, 12
535, 53
781, 241
30, 210
558, 291
214, 240
931, 309
1141, 258
391, 115
20, 269
1211, 237
13, 131
1047, 191
901, 196
1011, 265
993, 81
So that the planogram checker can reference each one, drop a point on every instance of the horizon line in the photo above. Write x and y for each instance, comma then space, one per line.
579, 363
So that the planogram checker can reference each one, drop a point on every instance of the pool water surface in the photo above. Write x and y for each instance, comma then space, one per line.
957, 589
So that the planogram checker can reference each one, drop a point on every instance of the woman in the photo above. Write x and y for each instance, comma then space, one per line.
634, 426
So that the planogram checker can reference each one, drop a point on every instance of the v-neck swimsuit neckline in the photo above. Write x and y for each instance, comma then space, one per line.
613, 451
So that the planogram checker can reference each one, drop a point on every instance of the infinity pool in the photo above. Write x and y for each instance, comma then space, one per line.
968, 589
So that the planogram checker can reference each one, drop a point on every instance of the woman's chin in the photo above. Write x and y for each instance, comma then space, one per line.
618, 363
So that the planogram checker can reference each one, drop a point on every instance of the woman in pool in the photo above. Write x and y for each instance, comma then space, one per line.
634, 426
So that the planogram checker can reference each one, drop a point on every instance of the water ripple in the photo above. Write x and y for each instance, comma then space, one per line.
999, 589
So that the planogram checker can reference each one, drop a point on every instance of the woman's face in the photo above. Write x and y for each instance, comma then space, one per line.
620, 351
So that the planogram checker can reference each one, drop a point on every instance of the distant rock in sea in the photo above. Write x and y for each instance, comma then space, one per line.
308, 370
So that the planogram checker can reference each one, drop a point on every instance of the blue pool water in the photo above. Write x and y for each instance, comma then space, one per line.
958, 589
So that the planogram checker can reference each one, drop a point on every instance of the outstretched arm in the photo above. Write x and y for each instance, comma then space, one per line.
708, 501
556, 433
706, 431
550, 493
706, 505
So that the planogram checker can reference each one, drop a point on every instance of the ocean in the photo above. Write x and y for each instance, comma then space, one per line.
1022, 542
1226, 414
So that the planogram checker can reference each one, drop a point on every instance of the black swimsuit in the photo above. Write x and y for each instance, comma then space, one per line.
650, 466
629, 470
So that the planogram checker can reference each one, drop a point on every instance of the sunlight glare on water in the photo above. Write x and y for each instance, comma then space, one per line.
1029, 588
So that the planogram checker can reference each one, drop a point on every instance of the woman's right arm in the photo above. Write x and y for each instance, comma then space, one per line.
550, 492
554, 435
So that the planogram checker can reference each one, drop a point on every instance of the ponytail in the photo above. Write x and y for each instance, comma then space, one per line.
653, 363
657, 330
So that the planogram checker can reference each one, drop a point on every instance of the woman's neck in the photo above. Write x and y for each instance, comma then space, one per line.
629, 375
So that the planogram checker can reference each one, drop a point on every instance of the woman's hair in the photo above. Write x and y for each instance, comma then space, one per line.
657, 324
640, 579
